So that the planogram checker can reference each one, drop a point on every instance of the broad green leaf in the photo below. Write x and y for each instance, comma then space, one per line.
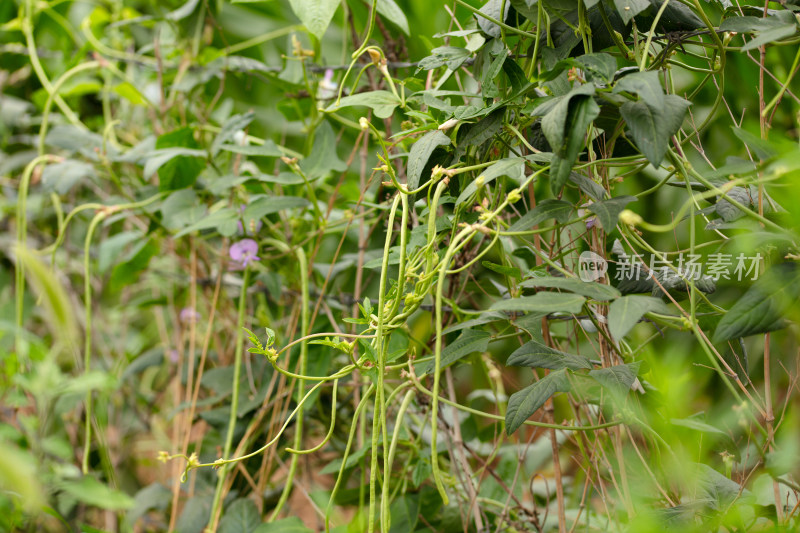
628, 9
184, 11
127, 272
323, 157
647, 85
222, 220
771, 35
478, 133
62, 177
523, 404
390, 11
513, 167
110, 249
267, 205
176, 160
405, 513
158, 158
516, 76
285, 525
626, 311
130, 93
382, 103
652, 127
90, 491
180, 209
240, 517
316, 15
537, 355
493, 9
268, 149
617, 379
697, 425
565, 128
762, 148
450, 56
763, 307
554, 122
546, 209
420, 154
229, 129
596, 291
598, 67
470, 341
510, 271
543, 302
152, 497
608, 211
194, 516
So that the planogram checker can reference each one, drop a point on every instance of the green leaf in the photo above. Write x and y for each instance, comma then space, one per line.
323, 157
470, 341
493, 9
229, 129
598, 67
628, 9
405, 513
240, 517
537, 355
513, 167
554, 122
762, 148
608, 211
62, 177
420, 154
565, 128
130, 93
523, 404
285, 525
127, 272
315, 15
478, 133
516, 76
390, 11
222, 220
267, 205
544, 210
697, 425
617, 379
626, 311
763, 307
451, 56
596, 291
382, 103
770, 35
176, 159
647, 85
651, 127
268, 149
543, 302
510, 271
90, 491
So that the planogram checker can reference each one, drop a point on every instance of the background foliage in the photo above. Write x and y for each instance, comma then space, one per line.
306, 265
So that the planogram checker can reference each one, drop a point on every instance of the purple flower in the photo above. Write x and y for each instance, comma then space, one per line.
188, 315
254, 225
243, 252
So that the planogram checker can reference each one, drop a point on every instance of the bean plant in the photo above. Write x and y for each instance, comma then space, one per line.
396, 265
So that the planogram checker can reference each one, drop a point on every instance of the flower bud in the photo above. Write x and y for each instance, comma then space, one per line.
629, 218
